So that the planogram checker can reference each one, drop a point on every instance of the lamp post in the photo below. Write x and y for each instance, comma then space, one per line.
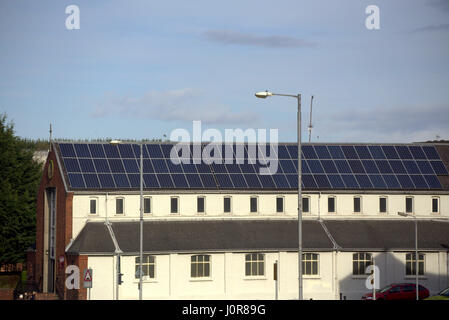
263, 95
116, 142
416, 249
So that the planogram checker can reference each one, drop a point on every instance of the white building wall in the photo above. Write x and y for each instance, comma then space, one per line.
240, 206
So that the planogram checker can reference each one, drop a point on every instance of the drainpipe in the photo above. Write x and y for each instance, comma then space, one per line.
106, 209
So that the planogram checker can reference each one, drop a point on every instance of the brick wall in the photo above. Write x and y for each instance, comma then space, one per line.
6, 294
63, 226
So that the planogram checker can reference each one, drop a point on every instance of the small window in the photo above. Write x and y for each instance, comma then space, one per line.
119, 205
331, 204
200, 204
306, 204
200, 266
310, 264
410, 264
435, 205
280, 204
382, 204
227, 204
93, 206
148, 267
174, 205
408, 204
254, 264
253, 204
360, 261
146, 205
357, 204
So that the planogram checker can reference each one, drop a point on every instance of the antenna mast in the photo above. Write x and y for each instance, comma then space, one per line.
50, 138
310, 121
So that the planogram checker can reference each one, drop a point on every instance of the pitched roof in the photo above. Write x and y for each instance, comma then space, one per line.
260, 235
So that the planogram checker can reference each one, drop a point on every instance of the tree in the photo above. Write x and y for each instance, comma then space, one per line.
19, 182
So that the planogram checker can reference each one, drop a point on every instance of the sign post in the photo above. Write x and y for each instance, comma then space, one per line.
87, 279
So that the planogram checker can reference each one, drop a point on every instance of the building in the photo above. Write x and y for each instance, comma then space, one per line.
215, 231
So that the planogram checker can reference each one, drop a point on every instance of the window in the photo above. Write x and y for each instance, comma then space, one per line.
174, 205
93, 206
306, 204
200, 266
310, 264
253, 204
255, 264
147, 205
200, 204
357, 204
119, 205
360, 261
331, 204
382, 204
148, 266
435, 205
227, 204
408, 204
280, 204
410, 264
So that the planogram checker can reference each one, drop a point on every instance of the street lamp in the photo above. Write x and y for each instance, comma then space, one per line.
116, 142
263, 95
416, 249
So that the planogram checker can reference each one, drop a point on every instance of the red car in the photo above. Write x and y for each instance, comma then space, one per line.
398, 291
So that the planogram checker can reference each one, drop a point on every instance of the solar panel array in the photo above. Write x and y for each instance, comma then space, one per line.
343, 167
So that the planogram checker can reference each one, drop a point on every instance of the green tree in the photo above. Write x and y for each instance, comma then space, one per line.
19, 182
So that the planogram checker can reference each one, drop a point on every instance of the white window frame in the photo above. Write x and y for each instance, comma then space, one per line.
123, 213
413, 204
146, 264
438, 204
283, 204
256, 261
386, 204
96, 206
335, 204
209, 262
204, 204
151, 205
361, 205
178, 205
413, 264
311, 261
230, 204
257, 205
302, 205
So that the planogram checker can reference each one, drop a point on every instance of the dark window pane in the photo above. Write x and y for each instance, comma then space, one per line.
227, 204
383, 204
253, 204
356, 204
200, 204
408, 204
174, 205
435, 205
280, 204
331, 204
93, 206
147, 205
305, 205
119, 206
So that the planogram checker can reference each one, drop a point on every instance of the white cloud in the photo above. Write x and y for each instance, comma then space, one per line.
172, 105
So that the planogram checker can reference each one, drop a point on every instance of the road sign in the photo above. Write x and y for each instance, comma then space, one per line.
88, 278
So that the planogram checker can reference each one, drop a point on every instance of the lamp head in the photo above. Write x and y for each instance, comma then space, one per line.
263, 94
115, 142
403, 214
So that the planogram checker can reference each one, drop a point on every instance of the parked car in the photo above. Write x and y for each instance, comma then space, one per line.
443, 295
398, 291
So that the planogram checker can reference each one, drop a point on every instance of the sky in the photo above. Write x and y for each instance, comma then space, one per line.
141, 69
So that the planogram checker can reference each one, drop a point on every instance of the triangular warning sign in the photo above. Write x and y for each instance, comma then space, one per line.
88, 276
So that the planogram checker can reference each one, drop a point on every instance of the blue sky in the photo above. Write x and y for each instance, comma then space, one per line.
140, 69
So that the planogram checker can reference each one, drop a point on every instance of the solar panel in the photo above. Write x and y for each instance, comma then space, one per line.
376, 152
431, 153
82, 150
194, 181
76, 180
322, 152
336, 152
105, 166
349, 152
309, 152
91, 180
121, 181
238, 180
439, 167
363, 152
